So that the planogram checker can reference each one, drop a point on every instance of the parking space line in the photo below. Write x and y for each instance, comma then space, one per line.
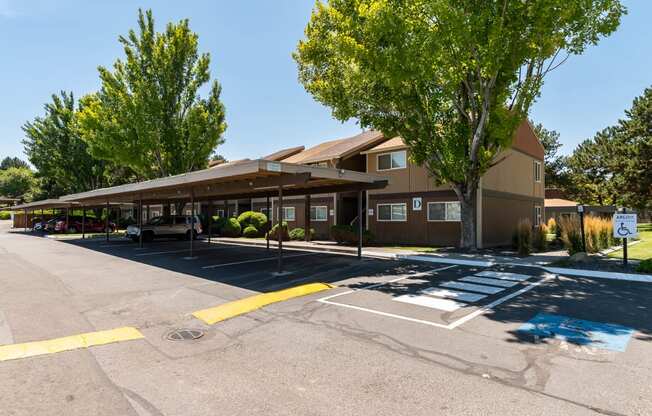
491, 282
239, 307
453, 294
504, 275
155, 253
73, 342
214, 266
489, 290
430, 302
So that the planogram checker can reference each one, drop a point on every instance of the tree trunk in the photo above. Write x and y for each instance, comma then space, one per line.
467, 195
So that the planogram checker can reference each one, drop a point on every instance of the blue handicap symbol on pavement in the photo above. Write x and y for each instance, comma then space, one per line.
577, 331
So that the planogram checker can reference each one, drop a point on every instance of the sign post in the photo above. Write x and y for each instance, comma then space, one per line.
624, 226
580, 210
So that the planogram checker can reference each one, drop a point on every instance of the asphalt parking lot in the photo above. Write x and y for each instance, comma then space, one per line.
393, 337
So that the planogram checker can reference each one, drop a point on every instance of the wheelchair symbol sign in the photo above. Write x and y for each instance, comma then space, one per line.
624, 225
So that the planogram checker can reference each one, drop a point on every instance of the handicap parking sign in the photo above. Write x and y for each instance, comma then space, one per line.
624, 225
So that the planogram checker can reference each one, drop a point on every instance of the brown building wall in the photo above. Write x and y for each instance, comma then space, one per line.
412, 178
416, 229
500, 214
322, 228
515, 174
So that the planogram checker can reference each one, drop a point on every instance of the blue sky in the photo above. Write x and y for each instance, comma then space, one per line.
48, 45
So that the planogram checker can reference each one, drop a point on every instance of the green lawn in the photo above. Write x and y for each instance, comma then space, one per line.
639, 251
420, 249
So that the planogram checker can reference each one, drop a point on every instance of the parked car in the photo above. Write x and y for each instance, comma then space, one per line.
74, 225
175, 226
49, 225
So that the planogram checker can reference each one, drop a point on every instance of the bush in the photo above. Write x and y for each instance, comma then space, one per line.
348, 234
231, 228
250, 232
5, 215
273, 233
645, 266
257, 219
540, 238
552, 226
300, 234
571, 236
218, 224
598, 232
523, 237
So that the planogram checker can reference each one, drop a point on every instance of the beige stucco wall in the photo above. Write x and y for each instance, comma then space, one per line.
413, 178
514, 174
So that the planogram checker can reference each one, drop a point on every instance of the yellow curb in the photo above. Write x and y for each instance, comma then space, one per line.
73, 342
242, 306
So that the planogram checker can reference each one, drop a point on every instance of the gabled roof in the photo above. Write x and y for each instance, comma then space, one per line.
395, 143
284, 153
338, 149
558, 202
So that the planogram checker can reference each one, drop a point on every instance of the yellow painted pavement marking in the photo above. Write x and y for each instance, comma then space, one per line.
73, 342
242, 306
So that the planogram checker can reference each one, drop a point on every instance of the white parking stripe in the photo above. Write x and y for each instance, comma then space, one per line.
214, 266
486, 281
429, 302
504, 275
490, 290
453, 294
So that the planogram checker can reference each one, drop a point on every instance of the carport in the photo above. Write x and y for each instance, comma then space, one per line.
7, 201
242, 179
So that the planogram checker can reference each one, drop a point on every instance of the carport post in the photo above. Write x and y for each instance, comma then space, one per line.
210, 220
67, 219
140, 221
25, 219
192, 220
269, 221
279, 232
226, 208
306, 214
106, 221
83, 222
359, 224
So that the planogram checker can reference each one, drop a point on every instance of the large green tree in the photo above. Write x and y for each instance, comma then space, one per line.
555, 163
453, 78
12, 162
148, 114
53, 146
17, 183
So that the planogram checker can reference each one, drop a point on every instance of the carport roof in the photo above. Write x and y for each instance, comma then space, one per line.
245, 179
44, 204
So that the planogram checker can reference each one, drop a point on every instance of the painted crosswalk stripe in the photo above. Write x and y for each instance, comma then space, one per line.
429, 302
490, 290
487, 281
453, 294
504, 275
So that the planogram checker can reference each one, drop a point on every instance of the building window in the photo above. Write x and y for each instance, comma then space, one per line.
392, 212
537, 215
537, 171
444, 211
319, 213
220, 213
289, 214
393, 160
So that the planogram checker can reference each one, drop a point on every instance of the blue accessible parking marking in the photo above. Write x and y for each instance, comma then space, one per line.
577, 331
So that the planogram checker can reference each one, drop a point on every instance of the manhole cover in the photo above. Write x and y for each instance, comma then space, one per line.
184, 334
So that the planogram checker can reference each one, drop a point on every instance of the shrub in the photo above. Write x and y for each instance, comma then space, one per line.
273, 233
540, 238
250, 231
571, 236
552, 226
231, 228
300, 234
348, 234
523, 237
597, 231
645, 266
5, 215
218, 224
257, 219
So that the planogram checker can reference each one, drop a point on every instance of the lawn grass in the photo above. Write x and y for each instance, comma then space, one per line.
419, 249
639, 251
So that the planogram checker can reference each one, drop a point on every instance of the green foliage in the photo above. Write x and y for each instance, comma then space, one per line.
523, 237
273, 234
12, 162
348, 234
17, 182
218, 224
299, 234
645, 266
250, 231
540, 238
257, 219
148, 114
231, 228
453, 79
5, 215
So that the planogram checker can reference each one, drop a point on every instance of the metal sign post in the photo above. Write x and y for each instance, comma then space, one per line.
624, 226
580, 210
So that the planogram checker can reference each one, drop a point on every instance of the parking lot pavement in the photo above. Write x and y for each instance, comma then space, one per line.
394, 337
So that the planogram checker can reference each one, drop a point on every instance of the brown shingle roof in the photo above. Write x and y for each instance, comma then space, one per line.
391, 144
558, 202
338, 149
284, 153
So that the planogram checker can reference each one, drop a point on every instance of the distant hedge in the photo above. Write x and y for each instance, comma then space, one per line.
273, 234
5, 215
348, 234
300, 234
250, 232
231, 228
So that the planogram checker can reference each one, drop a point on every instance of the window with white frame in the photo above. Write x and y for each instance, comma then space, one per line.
392, 212
537, 215
444, 211
289, 214
319, 213
537, 171
392, 160
220, 213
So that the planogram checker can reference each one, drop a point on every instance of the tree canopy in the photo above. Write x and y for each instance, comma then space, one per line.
453, 78
12, 162
17, 182
61, 157
555, 175
148, 115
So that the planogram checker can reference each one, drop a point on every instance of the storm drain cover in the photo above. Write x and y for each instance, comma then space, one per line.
184, 334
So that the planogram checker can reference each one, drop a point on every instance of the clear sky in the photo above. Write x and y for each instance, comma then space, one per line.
52, 45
